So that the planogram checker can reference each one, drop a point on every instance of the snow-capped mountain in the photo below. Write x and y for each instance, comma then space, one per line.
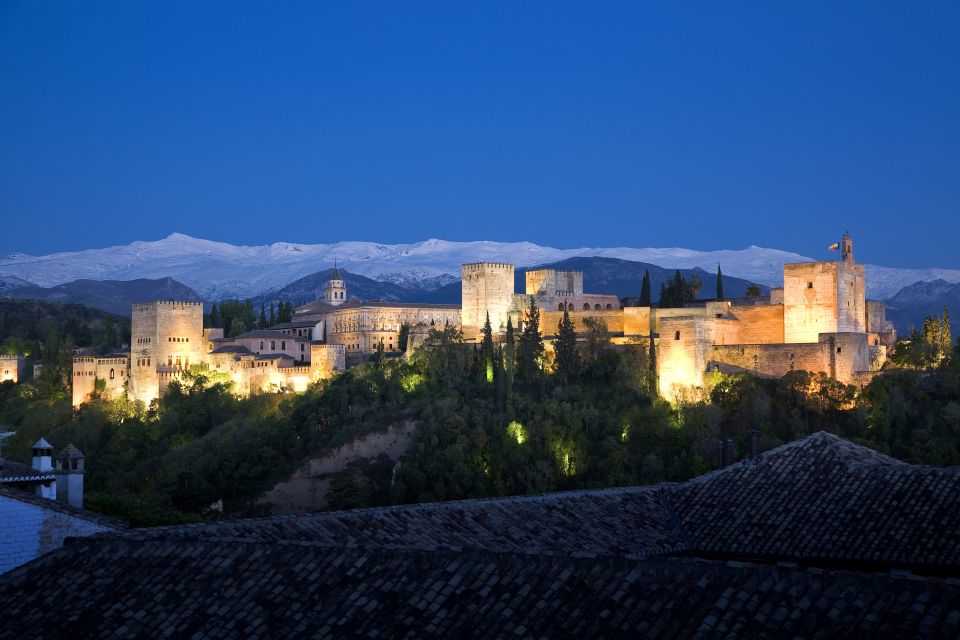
218, 270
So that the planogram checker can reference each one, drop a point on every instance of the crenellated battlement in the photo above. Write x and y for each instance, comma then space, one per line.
473, 267
154, 304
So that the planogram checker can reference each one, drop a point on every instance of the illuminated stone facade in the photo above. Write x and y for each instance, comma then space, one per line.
12, 367
820, 321
486, 288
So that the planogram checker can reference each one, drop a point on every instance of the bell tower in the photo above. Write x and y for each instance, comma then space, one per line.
335, 291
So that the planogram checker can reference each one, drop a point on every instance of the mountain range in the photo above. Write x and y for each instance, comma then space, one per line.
188, 268
217, 270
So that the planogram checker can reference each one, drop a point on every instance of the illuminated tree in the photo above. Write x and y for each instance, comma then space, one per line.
486, 350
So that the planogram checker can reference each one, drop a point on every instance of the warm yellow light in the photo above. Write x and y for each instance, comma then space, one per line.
411, 381
517, 432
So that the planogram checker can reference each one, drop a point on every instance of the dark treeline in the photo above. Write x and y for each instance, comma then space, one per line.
236, 316
495, 418
49, 332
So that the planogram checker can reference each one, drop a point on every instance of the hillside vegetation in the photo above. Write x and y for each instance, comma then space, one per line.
493, 420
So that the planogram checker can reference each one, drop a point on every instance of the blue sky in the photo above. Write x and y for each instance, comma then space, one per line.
695, 124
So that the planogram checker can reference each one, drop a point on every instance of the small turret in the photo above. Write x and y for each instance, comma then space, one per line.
846, 248
43, 463
70, 476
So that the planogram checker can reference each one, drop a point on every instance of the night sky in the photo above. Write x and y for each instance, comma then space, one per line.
694, 124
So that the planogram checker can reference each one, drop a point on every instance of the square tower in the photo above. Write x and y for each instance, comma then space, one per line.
165, 336
487, 288
822, 297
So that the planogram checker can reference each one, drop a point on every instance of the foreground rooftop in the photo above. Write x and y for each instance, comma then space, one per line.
818, 537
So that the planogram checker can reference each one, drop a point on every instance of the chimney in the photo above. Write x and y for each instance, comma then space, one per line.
720, 464
728, 452
754, 442
42, 464
70, 476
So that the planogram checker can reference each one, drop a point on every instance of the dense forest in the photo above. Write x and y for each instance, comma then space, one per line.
494, 419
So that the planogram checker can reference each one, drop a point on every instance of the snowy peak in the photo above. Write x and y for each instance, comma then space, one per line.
219, 270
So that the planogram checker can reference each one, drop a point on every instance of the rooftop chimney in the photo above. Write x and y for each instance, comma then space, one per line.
70, 476
42, 464
754, 442
728, 453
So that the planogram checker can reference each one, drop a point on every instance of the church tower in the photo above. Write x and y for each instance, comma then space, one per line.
335, 291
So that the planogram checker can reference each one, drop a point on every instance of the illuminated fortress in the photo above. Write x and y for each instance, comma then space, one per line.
819, 321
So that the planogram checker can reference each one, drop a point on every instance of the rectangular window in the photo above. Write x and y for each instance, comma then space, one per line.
283, 345
273, 345
676, 335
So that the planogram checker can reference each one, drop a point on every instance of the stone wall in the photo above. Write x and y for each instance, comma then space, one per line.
839, 355
12, 367
28, 531
636, 321
550, 320
809, 300
760, 324
87, 369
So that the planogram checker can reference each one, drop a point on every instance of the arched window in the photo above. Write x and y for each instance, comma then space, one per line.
586, 306
560, 307
596, 307
111, 374
609, 307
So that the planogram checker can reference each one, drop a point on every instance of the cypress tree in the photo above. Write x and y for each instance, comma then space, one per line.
263, 317
719, 283
273, 315
531, 344
652, 364
946, 337
510, 353
486, 350
662, 301
645, 289
568, 362
215, 317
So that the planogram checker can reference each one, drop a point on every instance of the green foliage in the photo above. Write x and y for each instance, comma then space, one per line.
679, 291
926, 350
402, 337
753, 291
604, 426
237, 317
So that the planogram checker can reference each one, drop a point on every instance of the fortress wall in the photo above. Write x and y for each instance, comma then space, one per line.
550, 320
761, 324
809, 300
774, 360
876, 316
84, 373
839, 355
487, 288
636, 321
682, 353
851, 303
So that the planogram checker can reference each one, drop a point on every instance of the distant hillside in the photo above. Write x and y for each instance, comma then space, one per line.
612, 276
912, 303
114, 296
310, 288
8, 283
